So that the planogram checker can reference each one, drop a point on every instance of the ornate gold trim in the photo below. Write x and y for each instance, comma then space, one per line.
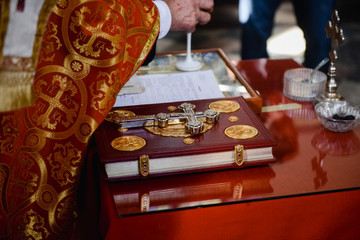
151, 41
15, 89
5, 9
45, 12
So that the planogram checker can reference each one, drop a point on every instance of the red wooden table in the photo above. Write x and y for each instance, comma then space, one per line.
311, 192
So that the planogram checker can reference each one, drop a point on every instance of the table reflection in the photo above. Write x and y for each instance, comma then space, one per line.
335, 144
191, 190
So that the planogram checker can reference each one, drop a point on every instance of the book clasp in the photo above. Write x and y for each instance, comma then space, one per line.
144, 165
239, 155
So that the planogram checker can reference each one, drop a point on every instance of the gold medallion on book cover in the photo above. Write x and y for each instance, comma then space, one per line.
128, 143
224, 106
115, 115
241, 132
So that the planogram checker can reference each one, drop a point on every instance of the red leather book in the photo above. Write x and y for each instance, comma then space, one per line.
237, 139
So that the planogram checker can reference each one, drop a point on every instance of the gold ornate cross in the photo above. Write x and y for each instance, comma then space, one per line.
193, 124
335, 33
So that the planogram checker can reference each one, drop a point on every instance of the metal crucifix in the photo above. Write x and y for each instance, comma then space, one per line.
193, 125
336, 35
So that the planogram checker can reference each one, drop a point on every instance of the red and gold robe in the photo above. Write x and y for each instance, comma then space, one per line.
89, 50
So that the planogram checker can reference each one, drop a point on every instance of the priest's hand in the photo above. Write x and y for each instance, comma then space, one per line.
186, 14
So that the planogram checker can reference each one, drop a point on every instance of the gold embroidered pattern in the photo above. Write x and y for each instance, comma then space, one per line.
61, 101
32, 140
4, 176
63, 3
77, 79
33, 225
48, 45
102, 94
92, 46
28, 181
65, 208
8, 134
77, 68
47, 197
64, 161
85, 129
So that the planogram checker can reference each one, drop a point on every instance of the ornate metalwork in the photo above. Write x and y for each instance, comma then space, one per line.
239, 155
144, 165
194, 121
337, 36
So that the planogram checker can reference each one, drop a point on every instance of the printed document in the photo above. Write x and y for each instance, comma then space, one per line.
162, 88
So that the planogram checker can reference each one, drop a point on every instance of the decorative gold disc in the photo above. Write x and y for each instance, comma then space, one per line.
171, 108
224, 106
188, 141
241, 132
233, 118
128, 143
122, 129
116, 114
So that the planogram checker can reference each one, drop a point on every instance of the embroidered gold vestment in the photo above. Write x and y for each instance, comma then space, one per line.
89, 49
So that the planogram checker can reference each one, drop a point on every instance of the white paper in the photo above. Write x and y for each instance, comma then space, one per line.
161, 88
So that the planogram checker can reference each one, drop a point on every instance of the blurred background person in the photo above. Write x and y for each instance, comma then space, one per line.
257, 19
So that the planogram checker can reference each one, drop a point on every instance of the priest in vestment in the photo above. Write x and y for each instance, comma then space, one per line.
74, 56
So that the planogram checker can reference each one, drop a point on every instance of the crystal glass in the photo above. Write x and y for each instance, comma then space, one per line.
299, 86
338, 116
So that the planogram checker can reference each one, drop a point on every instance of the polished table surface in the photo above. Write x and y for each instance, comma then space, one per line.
311, 192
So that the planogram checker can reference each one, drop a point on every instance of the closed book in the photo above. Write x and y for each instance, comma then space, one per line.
237, 139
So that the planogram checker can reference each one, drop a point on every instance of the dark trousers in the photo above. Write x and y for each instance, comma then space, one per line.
312, 17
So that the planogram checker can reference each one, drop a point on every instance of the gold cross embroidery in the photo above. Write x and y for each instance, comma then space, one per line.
105, 19
62, 109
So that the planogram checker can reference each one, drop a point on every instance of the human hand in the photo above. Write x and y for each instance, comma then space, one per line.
186, 14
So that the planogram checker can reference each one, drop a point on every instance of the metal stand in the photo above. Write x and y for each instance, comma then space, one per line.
336, 35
